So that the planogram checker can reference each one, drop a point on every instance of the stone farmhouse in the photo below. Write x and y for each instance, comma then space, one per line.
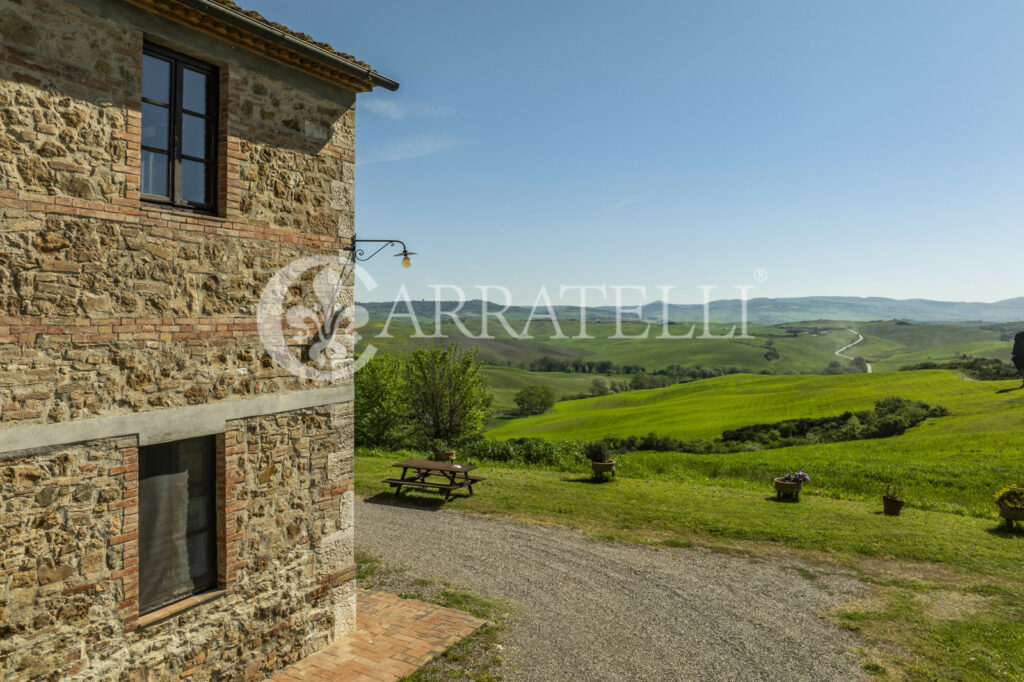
173, 502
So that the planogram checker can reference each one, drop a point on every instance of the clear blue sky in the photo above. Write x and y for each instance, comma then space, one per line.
848, 148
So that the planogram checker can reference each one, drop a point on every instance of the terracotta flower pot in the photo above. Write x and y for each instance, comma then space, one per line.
892, 505
444, 456
787, 488
603, 467
1012, 514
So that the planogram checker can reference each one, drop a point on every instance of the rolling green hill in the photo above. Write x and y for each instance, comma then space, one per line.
804, 347
891, 346
703, 409
951, 463
760, 310
507, 381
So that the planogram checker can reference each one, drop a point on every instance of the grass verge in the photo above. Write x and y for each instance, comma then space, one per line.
476, 657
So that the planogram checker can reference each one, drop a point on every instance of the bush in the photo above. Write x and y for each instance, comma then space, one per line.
380, 405
598, 451
448, 398
890, 417
566, 455
982, 369
1011, 496
535, 399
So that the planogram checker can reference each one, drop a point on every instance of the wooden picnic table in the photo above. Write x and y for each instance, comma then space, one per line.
416, 471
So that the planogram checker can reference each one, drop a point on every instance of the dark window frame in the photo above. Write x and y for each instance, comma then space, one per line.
178, 64
210, 483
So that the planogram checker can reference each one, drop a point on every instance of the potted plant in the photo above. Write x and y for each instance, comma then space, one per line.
442, 451
599, 456
892, 499
1011, 504
790, 484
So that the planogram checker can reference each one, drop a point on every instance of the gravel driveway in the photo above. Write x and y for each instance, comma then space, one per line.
597, 610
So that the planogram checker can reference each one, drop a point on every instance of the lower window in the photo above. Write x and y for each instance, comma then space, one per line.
177, 521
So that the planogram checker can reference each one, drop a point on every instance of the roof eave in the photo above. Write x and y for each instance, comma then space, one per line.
293, 51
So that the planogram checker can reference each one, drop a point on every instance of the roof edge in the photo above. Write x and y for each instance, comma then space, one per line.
236, 27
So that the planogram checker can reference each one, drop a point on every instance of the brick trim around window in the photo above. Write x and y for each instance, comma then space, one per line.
229, 446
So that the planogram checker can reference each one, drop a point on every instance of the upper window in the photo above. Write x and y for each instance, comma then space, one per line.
179, 129
177, 521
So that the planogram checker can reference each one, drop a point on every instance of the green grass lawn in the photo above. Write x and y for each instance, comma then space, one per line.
912, 561
652, 510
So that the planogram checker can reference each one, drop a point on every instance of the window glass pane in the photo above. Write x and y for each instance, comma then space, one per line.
193, 136
202, 561
155, 130
177, 549
198, 511
154, 173
193, 182
156, 79
193, 91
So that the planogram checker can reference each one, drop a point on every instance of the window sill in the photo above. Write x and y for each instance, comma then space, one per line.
179, 607
195, 211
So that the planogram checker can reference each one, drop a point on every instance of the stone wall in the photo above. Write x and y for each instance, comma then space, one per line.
68, 547
112, 306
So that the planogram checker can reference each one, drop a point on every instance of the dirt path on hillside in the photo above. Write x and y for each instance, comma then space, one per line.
860, 337
597, 610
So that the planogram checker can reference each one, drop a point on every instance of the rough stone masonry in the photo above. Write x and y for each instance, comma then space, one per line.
125, 323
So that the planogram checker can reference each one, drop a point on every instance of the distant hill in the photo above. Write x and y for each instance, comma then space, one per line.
425, 310
762, 310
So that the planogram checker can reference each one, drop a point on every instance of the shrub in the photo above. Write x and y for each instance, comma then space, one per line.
380, 405
982, 369
448, 398
566, 455
1011, 496
535, 399
796, 477
598, 451
890, 417
893, 490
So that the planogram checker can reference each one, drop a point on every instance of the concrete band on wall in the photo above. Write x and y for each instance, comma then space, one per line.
160, 426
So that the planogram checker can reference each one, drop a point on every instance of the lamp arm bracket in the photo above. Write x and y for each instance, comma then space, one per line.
360, 254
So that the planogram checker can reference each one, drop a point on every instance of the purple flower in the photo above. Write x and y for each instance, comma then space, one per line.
797, 477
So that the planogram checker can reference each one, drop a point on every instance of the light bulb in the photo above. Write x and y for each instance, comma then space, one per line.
406, 262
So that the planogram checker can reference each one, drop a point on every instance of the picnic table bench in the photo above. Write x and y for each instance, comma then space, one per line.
416, 471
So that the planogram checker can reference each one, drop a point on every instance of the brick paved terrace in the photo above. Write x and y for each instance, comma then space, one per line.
393, 637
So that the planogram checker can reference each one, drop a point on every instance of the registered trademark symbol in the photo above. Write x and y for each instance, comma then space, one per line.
760, 275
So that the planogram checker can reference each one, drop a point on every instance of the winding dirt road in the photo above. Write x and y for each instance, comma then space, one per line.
860, 337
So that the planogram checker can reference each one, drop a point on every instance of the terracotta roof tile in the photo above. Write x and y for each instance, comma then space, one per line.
297, 34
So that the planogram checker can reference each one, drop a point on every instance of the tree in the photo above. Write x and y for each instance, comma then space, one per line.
599, 387
448, 398
380, 406
535, 399
1017, 356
